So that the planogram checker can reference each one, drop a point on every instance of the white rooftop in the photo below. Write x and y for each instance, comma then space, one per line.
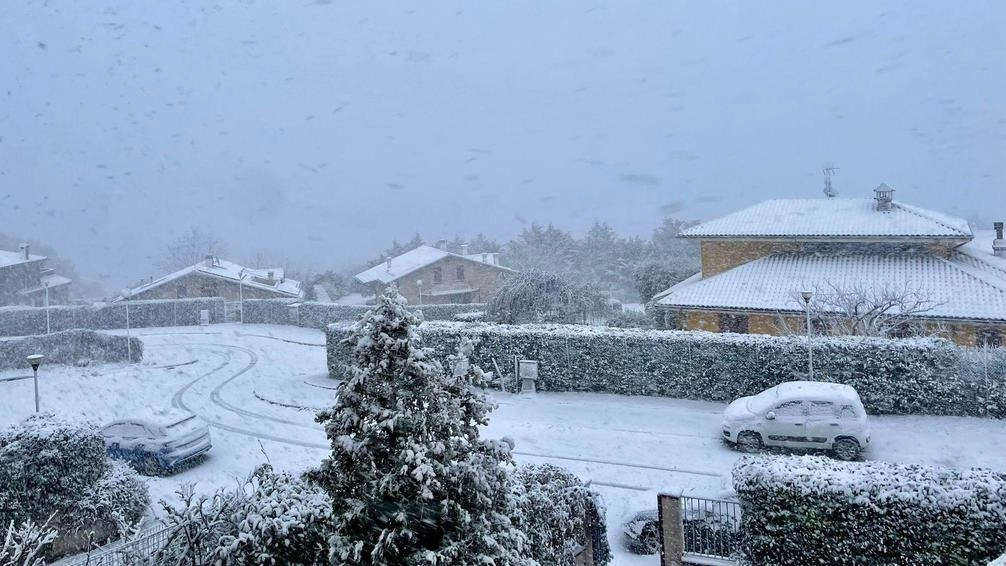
832, 218
961, 287
257, 278
417, 259
8, 259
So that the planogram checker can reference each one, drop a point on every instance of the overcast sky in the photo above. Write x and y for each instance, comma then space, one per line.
315, 132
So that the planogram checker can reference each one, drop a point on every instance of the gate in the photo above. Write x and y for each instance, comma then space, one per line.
695, 530
232, 311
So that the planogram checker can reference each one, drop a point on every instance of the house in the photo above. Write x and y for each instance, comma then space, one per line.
25, 280
428, 275
757, 262
215, 277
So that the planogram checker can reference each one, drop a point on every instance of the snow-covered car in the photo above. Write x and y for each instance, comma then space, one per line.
800, 414
158, 443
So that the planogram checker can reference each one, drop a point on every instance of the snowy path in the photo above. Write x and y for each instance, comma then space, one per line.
629, 447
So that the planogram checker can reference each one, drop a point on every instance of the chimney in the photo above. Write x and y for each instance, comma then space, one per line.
24, 248
464, 249
388, 265
999, 244
209, 260
485, 257
884, 197
270, 277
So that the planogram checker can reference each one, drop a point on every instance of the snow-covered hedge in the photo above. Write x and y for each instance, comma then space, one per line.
552, 508
53, 466
26, 321
814, 510
69, 347
916, 376
320, 315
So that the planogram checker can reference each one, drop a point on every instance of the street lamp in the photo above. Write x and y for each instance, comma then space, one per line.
47, 328
35, 360
807, 295
126, 294
419, 284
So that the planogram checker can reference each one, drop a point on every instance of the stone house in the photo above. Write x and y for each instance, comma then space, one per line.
25, 280
757, 262
215, 277
429, 275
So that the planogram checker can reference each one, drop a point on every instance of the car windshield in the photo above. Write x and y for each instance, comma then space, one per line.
763, 401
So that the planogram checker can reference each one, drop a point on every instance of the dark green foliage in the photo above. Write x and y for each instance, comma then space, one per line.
630, 319
812, 510
69, 347
320, 315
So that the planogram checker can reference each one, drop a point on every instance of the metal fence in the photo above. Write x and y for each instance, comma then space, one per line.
124, 552
711, 527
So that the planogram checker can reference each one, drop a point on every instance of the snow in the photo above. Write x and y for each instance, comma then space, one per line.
629, 447
8, 259
356, 299
416, 259
835, 218
957, 287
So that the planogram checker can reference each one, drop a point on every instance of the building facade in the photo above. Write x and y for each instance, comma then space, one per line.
26, 280
849, 255
215, 277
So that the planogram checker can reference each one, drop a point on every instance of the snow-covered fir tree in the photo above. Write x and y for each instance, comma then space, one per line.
411, 482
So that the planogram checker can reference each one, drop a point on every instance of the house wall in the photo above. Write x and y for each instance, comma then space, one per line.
486, 279
198, 284
18, 277
721, 255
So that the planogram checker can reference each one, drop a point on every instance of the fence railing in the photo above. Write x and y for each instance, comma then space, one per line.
119, 553
695, 530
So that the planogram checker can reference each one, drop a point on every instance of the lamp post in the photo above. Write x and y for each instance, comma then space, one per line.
126, 294
241, 296
419, 284
807, 296
47, 328
35, 360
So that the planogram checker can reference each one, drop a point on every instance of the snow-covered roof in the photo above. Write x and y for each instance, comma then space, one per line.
416, 259
8, 259
980, 249
832, 218
257, 278
960, 287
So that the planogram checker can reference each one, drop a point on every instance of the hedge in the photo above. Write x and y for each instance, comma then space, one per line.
28, 321
69, 347
814, 510
912, 376
320, 315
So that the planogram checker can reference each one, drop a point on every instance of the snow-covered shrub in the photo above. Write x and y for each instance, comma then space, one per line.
50, 466
630, 319
813, 510
25, 545
27, 321
69, 347
641, 533
268, 311
273, 518
410, 479
553, 508
320, 315
471, 316
911, 376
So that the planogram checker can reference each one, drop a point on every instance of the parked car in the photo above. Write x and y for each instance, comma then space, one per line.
800, 414
159, 443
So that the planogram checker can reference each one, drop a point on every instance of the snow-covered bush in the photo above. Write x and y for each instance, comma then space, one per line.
641, 533
25, 545
27, 321
630, 319
911, 376
553, 508
69, 347
268, 311
320, 315
813, 510
273, 518
410, 479
50, 466
471, 316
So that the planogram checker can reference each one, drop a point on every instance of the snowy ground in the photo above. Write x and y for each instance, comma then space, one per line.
248, 380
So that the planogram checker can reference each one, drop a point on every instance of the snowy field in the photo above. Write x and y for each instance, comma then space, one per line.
258, 386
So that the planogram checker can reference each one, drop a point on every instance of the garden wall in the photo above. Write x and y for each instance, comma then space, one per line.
28, 321
320, 315
912, 376
814, 510
68, 347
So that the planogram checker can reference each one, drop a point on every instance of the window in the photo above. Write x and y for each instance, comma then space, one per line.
847, 412
822, 409
791, 409
737, 323
461, 273
989, 337
438, 275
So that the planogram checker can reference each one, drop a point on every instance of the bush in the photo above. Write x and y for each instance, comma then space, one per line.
813, 510
25, 545
27, 321
553, 508
630, 319
641, 534
320, 315
69, 347
274, 518
50, 466
912, 376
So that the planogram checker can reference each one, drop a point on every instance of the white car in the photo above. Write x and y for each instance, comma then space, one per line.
800, 414
157, 443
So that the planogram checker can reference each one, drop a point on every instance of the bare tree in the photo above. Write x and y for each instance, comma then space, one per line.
862, 310
540, 296
189, 248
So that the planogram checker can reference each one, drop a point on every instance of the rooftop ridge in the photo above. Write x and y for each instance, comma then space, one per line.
919, 212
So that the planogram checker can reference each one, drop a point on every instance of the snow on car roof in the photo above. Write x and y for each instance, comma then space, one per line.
815, 390
166, 418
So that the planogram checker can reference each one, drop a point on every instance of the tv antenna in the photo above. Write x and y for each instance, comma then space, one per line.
829, 191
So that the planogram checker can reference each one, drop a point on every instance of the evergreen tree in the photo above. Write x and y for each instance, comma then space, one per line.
411, 482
